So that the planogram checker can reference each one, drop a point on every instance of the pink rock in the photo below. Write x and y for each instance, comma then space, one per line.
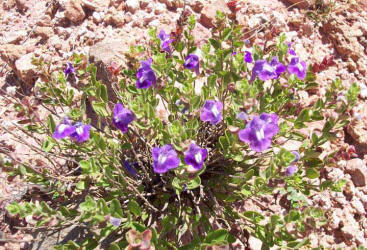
209, 12
358, 171
74, 11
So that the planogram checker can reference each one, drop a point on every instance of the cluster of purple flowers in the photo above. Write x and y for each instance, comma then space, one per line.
258, 132
77, 131
166, 158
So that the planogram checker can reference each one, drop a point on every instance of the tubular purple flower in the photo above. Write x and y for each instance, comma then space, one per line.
64, 129
192, 62
212, 112
69, 69
290, 50
130, 169
296, 154
234, 53
242, 116
115, 221
248, 57
266, 71
122, 117
297, 67
291, 170
195, 156
82, 132
260, 131
146, 76
165, 41
164, 159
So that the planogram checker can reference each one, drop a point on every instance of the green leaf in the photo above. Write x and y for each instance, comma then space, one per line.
114, 246
134, 207
214, 43
194, 183
51, 123
88, 205
13, 208
81, 185
220, 236
312, 173
100, 108
116, 209
48, 144
253, 216
352, 93
104, 95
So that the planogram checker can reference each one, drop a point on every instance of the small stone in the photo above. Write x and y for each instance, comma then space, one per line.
44, 32
74, 11
255, 243
116, 19
97, 5
98, 17
357, 129
132, 5
14, 37
358, 206
335, 218
363, 93
25, 70
197, 6
128, 17
159, 9
45, 21
358, 171
11, 52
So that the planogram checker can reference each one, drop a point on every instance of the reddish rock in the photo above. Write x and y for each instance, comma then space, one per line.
74, 11
197, 6
25, 70
358, 171
45, 21
209, 12
96, 5
44, 32
10, 53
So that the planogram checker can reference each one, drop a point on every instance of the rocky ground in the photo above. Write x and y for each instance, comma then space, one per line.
105, 29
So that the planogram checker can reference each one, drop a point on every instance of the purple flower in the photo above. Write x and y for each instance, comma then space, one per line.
146, 76
195, 156
192, 62
297, 67
260, 131
115, 221
248, 57
212, 112
130, 169
296, 154
290, 50
164, 159
266, 71
242, 116
122, 117
69, 69
77, 132
81, 133
234, 53
165, 41
64, 129
291, 170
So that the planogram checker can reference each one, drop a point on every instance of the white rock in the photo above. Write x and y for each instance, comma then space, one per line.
254, 243
132, 5
358, 206
15, 36
363, 93
11, 90
98, 17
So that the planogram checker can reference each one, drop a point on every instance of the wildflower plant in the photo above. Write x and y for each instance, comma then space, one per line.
147, 180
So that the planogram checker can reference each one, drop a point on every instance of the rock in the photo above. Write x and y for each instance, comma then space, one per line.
132, 5
116, 19
148, 18
358, 171
44, 32
25, 70
344, 37
22, 5
172, 4
358, 206
14, 37
128, 17
159, 9
74, 11
209, 12
102, 55
45, 21
302, 4
197, 6
254, 243
144, 4
98, 17
350, 227
97, 5
10, 53
335, 218
357, 129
